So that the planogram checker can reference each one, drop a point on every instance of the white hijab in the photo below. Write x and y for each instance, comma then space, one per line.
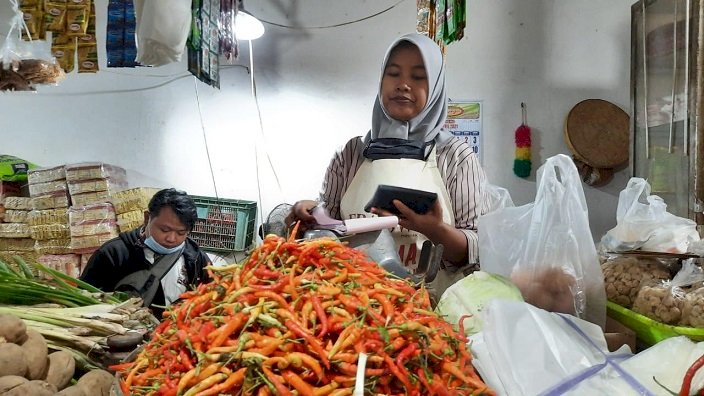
428, 124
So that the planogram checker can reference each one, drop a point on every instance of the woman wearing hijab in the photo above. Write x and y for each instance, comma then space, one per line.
408, 147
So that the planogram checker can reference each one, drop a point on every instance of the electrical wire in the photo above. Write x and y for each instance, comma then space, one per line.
331, 26
205, 139
175, 78
261, 131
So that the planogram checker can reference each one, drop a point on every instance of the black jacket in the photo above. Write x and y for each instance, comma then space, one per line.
124, 255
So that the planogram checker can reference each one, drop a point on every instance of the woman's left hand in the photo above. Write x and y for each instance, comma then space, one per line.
423, 223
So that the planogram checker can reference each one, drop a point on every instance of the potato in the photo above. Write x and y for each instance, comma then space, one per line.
74, 390
10, 381
12, 329
12, 360
33, 388
96, 383
61, 369
36, 353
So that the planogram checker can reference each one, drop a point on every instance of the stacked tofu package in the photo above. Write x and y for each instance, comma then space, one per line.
92, 218
14, 231
48, 220
130, 206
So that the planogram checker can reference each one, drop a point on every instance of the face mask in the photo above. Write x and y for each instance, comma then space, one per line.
152, 244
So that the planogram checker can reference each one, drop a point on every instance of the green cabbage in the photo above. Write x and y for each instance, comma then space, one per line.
470, 296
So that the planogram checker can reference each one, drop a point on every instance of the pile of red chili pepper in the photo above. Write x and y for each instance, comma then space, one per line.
292, 319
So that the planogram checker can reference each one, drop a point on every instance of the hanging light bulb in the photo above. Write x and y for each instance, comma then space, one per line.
247, 27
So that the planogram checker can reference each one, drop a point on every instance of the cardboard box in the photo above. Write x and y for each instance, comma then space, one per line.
618, 335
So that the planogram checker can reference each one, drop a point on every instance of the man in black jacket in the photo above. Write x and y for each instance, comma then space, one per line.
157, 261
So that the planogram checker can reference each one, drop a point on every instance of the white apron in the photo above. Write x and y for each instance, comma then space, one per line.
409, 173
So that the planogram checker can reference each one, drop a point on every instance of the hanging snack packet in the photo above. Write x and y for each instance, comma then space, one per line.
204, 42
87, 47
54, 17
77, 19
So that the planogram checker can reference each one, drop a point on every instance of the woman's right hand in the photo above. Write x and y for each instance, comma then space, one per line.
301, 212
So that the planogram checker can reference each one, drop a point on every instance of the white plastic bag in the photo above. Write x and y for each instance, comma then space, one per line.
642, 222
542, 244
526, 351
162, 30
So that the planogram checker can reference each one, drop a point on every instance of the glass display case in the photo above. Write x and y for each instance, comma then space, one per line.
666, 93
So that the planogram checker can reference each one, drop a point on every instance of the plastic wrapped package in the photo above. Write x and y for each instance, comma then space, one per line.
134, 215
128, 225
660, 302
43, 175
91, 198
94, 170
130, 220
28, 256
51, 201
53, 246
91, 243
133, 199
84, 260
624, 275
14, 230
17, 244
15, 216
50, 231
91, 213
87, 228
48, 188
19, 203
47, 216
665, 300
693, 309
69, 264
88, 186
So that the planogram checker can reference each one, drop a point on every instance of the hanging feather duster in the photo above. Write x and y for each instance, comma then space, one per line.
522, 164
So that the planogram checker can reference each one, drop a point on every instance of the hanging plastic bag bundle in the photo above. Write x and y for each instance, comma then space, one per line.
642, 222
546, 247
25, 63
162, 30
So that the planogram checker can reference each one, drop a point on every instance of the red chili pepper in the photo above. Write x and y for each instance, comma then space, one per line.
265, 273
403, 377
185, 360
462, 335
321, 315
406, 353
276, 287
314, 344
689, 376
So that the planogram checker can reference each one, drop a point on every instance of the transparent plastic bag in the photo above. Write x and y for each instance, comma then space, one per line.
664, 302
642, 222
546, 247
25, 63
623, 277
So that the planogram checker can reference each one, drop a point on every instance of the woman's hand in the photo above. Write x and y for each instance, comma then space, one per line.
301, 212
423, 223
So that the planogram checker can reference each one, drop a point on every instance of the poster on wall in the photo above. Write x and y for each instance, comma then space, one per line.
464, 120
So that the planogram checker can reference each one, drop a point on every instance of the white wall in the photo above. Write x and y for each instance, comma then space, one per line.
315, 90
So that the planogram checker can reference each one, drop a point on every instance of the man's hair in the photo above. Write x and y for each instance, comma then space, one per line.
179, 202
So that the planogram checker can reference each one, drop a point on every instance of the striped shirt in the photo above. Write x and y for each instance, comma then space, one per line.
460, 171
